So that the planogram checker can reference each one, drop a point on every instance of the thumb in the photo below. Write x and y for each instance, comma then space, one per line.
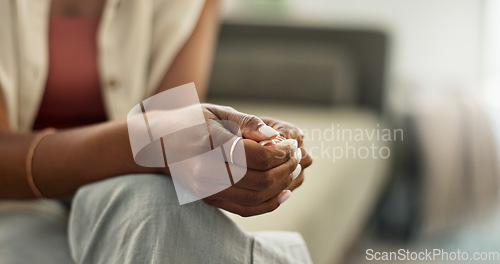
251, 126
254, 128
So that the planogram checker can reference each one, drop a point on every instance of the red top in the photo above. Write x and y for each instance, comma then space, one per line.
72, 93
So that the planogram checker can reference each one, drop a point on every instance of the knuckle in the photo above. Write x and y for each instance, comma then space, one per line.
252, 199
265, 181
228, 109
293, 165
286, 182
300, 180
298, 134
251, 120
264, 160
307, 160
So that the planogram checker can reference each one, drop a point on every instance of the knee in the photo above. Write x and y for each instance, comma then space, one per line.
135, 200
120, 208
133, 193
140, 216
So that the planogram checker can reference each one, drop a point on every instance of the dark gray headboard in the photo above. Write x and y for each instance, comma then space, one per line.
300, 64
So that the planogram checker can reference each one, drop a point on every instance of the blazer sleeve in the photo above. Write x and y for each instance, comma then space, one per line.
173, 24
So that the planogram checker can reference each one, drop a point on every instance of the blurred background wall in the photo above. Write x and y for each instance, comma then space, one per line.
491, 58
434, 44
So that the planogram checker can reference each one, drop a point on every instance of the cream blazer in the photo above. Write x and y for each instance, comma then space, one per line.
137, 42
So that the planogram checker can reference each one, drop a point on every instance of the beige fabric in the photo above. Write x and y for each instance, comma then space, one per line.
137, 41
460, 180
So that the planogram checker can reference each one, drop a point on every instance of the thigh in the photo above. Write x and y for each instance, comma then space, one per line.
33, 232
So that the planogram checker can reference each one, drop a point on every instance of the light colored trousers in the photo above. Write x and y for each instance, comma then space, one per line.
135, 219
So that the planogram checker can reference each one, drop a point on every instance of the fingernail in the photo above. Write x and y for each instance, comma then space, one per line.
295, 144
266, 142
296, 172
298, 154
268, 131
285, 196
